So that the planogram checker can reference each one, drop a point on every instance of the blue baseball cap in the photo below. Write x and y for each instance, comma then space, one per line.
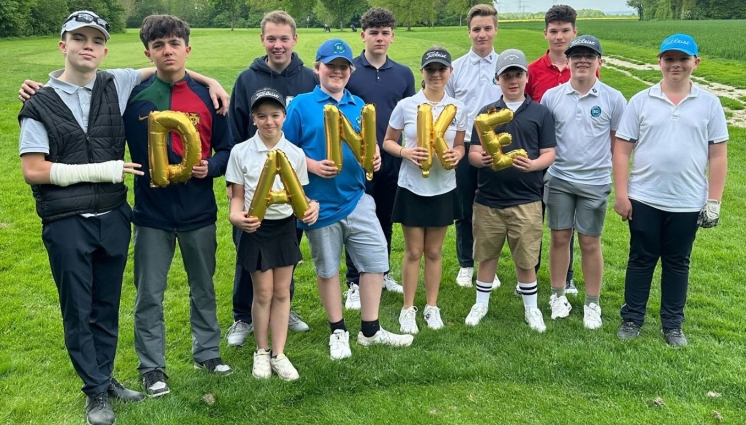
333, 49
681, 42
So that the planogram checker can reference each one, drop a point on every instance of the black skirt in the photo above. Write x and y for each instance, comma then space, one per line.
413, 210
274, 244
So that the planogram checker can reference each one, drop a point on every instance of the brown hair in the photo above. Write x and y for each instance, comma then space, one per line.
159, 26
561, 14
279, 17
377, 17
481, 10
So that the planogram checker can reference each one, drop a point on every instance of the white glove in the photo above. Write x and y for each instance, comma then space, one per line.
709, 215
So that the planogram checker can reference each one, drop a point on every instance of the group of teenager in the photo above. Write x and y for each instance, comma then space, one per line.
575, 129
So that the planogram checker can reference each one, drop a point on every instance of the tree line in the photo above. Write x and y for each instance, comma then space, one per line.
664, 10
21, 18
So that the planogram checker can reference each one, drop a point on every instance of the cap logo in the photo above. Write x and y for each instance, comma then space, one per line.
265, 93
436, 54
579, 41
511, 57
677, 41
339, 48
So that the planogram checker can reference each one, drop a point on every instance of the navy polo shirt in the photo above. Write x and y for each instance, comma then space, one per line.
384, 87
532, 129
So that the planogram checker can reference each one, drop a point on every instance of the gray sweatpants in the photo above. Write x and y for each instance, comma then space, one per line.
154, 252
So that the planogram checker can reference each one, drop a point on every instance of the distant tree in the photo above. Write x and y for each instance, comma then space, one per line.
47, 16
639, 6
111, 10
410, 12
342, 11
231, 7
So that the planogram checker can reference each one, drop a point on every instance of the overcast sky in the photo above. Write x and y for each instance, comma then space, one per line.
543, 5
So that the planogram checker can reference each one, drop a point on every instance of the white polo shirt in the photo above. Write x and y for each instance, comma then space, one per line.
669, 162
473, 82
247, 162
404, 117
582, 125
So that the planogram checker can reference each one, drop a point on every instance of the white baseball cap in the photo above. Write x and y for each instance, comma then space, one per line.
85, 18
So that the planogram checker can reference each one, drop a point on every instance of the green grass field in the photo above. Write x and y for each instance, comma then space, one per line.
498, 372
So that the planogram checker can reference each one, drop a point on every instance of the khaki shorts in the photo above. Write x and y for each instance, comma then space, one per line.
521, 225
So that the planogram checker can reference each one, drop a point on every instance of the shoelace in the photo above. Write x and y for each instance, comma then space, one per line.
677, 333
100, 400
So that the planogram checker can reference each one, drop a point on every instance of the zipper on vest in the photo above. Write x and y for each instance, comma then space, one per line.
90, 161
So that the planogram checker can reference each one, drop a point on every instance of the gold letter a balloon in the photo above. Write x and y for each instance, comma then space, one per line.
493, 143
277, 163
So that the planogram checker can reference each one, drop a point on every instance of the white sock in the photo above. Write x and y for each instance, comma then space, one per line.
529, 292
483, 292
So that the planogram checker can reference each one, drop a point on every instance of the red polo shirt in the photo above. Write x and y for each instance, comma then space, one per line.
543, 75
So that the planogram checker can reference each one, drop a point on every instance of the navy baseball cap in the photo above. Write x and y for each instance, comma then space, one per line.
588, 41
681, 42
333, 49
267, 94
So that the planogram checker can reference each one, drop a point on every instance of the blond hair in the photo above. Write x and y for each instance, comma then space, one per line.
279, 17
481, 10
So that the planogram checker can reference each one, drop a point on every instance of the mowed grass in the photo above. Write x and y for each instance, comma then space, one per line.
499, 371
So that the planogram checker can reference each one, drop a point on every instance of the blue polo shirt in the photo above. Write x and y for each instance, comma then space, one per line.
304, 127
384, 87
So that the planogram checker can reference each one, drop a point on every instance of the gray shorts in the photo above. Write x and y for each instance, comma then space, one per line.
575, 205
361, 235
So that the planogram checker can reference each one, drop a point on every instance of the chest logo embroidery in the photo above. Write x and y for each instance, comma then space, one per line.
596, 111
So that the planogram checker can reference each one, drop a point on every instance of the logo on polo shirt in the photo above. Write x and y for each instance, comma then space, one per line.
339, 48
596, 111
288, 100
435, 54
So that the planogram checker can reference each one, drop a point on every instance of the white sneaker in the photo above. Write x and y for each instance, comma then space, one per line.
560, 306
391, 285
592, 316
534, 319
296, 324
432, 317
407, 322
339, 345
261, 368
465, 274
283, 368
352, 297
238, 332
385, 337
477, 313
496, 282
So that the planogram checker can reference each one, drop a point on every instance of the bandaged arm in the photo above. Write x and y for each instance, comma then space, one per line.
37, 170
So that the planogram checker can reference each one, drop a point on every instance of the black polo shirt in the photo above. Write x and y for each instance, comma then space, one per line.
532, 129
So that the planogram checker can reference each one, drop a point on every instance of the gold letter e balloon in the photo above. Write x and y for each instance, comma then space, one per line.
277, 163
159, 124
493, 143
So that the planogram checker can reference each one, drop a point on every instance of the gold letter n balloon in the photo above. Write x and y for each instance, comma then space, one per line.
493, 143
337, 128
159, 124
431, 136
277, 163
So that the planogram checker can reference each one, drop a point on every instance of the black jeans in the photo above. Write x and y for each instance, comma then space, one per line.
243, 286
466, 187
87, 257
658, 234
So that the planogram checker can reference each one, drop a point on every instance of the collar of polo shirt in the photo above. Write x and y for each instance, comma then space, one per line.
475, 58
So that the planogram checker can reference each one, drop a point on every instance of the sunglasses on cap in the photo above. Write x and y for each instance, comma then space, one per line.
88, 19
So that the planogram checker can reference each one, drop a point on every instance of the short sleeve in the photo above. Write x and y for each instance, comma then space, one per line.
34, 137
547, 137
233, 173
629, 125
717, 127
462, 118
396, 121
301, 169
619, 105
125, 80
292, 125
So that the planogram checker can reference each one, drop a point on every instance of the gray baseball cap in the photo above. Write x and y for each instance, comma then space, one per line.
511, 58
85, 18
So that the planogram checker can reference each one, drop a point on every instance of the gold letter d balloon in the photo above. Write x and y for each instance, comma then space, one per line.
159, 124
493, 143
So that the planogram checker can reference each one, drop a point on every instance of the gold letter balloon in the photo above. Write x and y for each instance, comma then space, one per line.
431, 136
159, 124
277, 163
337, 128
493, 143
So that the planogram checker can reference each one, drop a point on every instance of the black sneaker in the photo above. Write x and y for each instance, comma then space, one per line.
570, 288
117, 391
675, 337
628, 330
214, 365
155, 383
98, 410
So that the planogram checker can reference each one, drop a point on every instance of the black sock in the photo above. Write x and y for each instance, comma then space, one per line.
338, 326
369, 328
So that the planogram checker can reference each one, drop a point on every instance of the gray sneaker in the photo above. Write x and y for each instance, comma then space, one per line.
296, 324
628, 330
675, 337
570, 288
238, 332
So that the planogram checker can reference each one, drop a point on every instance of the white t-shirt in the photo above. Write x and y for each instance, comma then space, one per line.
404, 117
671, 149
247, 162
583, 126
473, 82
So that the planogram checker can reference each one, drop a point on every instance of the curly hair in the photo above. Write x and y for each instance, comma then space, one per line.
159, 26
560, 13
377, 17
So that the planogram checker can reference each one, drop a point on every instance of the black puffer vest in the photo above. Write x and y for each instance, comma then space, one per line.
69, 144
